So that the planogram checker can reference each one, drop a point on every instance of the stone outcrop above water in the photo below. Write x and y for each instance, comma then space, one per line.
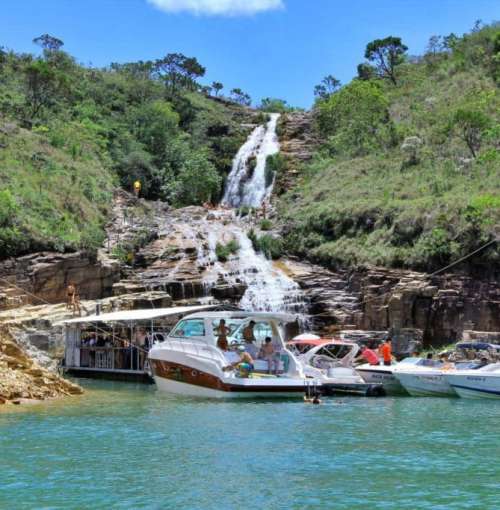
298, 143
46, 275
21, 378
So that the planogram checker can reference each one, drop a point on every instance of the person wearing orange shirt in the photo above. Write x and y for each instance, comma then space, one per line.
385, 351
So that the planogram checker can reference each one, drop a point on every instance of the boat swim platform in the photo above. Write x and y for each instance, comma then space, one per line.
123, 375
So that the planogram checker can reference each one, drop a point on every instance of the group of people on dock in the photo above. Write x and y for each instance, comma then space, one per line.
115, 350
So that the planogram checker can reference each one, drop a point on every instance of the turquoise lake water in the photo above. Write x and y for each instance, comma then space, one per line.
127, 446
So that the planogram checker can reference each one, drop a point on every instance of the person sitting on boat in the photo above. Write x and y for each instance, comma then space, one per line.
244, 364
428, 361
368, 355
268, 353
249, 338
222, 332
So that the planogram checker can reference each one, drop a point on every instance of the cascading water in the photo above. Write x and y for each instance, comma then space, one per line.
268, 288
246, 188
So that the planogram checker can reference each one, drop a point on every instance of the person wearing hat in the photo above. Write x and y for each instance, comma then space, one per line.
244, 364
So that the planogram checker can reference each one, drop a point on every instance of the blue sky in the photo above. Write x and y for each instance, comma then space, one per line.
278, 48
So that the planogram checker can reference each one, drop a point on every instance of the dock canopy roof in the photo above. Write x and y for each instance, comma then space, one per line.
139, 315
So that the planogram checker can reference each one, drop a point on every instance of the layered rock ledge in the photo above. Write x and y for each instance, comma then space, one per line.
22, 378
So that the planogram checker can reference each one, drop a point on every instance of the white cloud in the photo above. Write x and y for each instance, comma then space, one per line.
218, 7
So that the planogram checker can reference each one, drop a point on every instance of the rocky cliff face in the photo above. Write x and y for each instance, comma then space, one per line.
298, 142
22, 378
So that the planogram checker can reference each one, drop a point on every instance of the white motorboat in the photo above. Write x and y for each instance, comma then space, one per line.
331, 361
423, 378
483, 382
382, 374
188, 361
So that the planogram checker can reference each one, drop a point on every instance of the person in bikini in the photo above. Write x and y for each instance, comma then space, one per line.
222, 332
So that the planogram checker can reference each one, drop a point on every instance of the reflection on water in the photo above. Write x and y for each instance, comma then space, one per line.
127, 446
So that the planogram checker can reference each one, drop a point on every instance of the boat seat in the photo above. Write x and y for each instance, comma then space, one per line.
261, 365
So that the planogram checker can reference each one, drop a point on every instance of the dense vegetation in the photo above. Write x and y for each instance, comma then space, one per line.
408, 174
69, 134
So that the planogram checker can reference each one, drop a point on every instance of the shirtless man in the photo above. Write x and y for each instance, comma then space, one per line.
70, 294
268, 353
244, 364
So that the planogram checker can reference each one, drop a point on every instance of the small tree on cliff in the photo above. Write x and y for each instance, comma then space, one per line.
329, 84
386, 54
240, 97
471, 125
217, 86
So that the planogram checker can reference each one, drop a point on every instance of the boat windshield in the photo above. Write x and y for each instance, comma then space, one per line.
260, 331
189, 328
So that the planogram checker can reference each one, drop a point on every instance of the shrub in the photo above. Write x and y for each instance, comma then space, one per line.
266, 224
356, 120
275, 164
224, 251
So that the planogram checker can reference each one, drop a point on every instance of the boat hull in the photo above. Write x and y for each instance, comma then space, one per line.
385, 377
425, 385
475, 386
183, 380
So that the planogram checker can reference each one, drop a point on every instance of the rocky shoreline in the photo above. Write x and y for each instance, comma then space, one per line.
22, 379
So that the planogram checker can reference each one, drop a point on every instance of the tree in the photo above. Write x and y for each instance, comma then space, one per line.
196, 182
217, 86
48, 42
356, 120
41, 86
177, 70
329, 85
365, 71
156, 125
274, 105
471, 125
191, 70
240, 97
387, 54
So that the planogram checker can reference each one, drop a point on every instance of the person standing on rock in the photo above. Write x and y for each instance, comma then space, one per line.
70, 295
137, 188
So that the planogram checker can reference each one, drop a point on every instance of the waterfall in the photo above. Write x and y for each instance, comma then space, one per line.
267, 287
244, 187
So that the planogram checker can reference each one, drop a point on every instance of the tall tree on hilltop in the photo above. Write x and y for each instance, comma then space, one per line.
177, 71
192, 70
386, 54
240, 97
217, 86
329, 85
48, 42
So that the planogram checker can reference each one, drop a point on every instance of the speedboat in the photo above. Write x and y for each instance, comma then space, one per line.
331, 361
423, 378
188, 362
427, 377
483, 382
382, 374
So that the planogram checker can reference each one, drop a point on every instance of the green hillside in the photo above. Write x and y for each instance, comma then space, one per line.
408, 174
69, 134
